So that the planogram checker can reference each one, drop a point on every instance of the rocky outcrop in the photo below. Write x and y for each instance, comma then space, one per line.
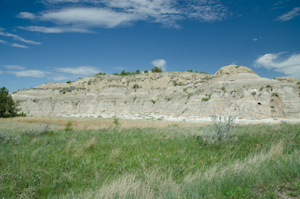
233, 90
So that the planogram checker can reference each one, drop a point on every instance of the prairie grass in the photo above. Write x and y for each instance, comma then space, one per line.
169, 161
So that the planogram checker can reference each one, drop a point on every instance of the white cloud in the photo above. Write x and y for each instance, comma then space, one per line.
13, 45
29, 73
16, 37
54, 29
18, 45
289, 15
3, 42
60, 77
116, 13
289, 66
14, 67
81, 70
255, 39
160, 63
1, 72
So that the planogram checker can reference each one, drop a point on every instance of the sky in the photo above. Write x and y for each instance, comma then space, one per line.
44, 41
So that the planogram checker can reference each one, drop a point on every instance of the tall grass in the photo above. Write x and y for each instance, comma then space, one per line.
169, 162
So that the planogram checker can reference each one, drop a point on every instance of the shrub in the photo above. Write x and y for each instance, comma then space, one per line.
298, 82
44, 129
221, 130
69, 126
272, 106
138, 72
136, 86
202, 72
8, 108
276, 94
115, 73
145, 71
205, 98
224, 89
253, 93
125, 73
116, 121
168, 98
190, 71
68, 82
189, 95
269, 86
261, 88
101, 73
4, 137
156, 70
237, 66
153, 101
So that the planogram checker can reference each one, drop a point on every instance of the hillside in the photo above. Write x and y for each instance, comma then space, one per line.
232, 90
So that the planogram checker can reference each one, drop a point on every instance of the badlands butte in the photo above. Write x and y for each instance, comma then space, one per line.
232, 90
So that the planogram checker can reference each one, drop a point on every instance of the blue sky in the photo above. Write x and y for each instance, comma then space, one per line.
60, 40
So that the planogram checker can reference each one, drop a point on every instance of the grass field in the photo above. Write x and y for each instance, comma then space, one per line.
98, 159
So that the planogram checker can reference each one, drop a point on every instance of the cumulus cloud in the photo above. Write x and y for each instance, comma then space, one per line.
160, 63
289, 15
16, 37
116, 13
28, 73
81, 70
14, 67
290, 66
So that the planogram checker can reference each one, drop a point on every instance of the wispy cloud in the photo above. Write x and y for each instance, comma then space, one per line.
1, 72
14, 67
60, 77
29, 73
54, 29
16, 37
289, 15
81, 70
18, 45
13, 45
117, 13
160, 63
289, 66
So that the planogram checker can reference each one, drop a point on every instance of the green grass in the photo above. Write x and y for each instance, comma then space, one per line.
171, 162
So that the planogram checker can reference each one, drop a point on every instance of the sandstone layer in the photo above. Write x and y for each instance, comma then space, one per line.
232, 90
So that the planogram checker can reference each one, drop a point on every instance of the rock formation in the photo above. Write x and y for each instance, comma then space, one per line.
232, 90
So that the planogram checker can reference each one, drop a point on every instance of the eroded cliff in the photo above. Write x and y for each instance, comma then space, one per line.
232, 90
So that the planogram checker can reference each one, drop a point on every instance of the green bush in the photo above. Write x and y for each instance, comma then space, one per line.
269, 86
205, 98
116, 121
5, 137
138, 72
298, 82
253, 93
221, 130
153, 101
125, 73
145, 71
69, 82
190, 94
136, 86
156, 70
276, 94
69, 126
8, 108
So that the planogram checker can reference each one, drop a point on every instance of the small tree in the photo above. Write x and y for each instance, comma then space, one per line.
156, 70
145, 71
138, 72
8, 108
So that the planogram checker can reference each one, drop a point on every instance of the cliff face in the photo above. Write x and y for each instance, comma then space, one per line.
232, 90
